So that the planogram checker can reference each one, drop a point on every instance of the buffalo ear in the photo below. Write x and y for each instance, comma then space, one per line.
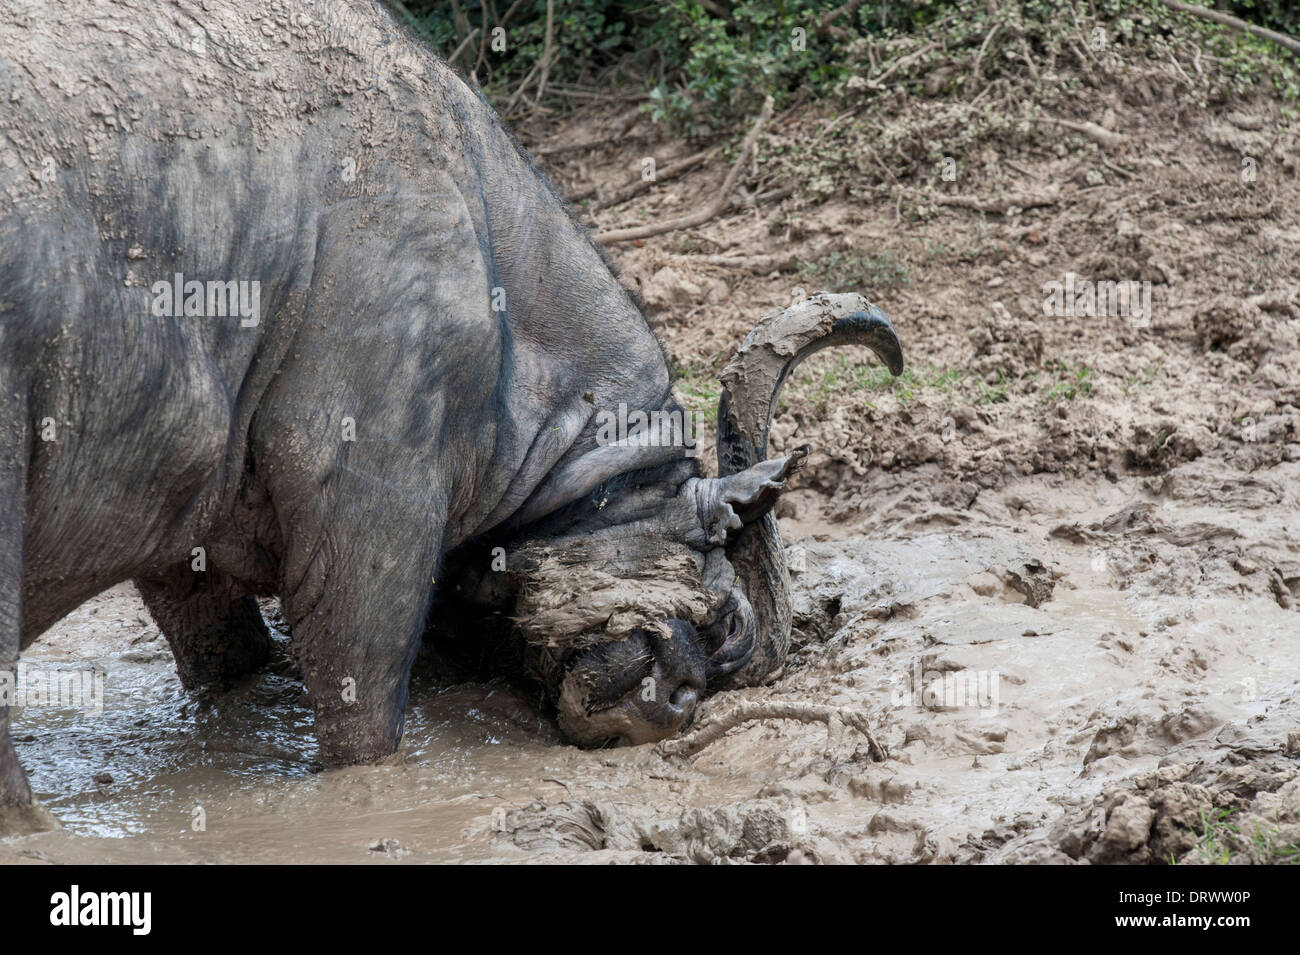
729, 503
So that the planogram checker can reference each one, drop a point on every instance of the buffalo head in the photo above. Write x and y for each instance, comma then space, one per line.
663, 585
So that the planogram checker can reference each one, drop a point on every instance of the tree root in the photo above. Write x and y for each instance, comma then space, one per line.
835, 718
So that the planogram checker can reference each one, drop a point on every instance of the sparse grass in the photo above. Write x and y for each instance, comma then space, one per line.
1074, 383
1142, 379
1269, 852
843, 376
992, 394
853, 272
947, 381
1220, 839
697, 383
986, 250
1214, 843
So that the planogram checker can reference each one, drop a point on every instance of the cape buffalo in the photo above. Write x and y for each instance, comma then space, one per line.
284, 310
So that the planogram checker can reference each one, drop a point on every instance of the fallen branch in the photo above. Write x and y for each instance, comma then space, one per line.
547, 51
786, 262
1243, 121
979, 57
571, 147
586, 192
715, 207
451, 60
750, 202
1098, 134
1227, 20
597, 96
834, 717
1119, 169
1029, 60
847, 10
1083, 60
519, 91
634, 118
1001, 204
874, 82
638, 186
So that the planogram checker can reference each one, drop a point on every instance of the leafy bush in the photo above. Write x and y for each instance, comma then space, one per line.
588, 35
1281, 15
704, 70
708, 64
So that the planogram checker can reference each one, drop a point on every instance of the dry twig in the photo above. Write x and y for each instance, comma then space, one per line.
785, 262
847, 10
451, 60
834, 717
634, 117
1000, 204
547, 51
979, 57
638, 186
874, 82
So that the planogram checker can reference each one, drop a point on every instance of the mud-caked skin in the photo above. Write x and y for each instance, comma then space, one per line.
432, 341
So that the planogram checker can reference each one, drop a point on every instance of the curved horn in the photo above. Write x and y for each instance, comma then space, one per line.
752, 380
751, 385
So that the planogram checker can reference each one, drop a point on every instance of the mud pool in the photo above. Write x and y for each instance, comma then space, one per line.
1075, 642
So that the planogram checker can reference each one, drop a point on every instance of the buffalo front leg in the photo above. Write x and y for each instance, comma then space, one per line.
215, 630
357, 615
355, 648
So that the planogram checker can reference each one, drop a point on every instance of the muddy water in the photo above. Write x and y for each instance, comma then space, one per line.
1095, 631
232, 776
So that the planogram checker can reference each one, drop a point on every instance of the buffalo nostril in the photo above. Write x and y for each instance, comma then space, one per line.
684, 697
